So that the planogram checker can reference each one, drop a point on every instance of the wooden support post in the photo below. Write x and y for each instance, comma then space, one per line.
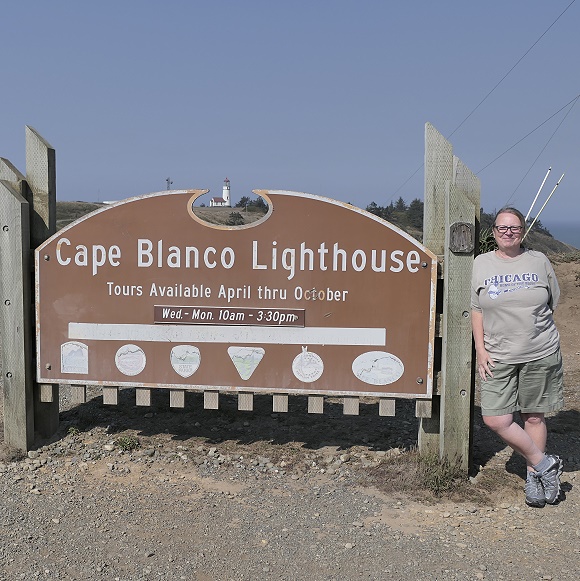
452, 209
41, 179
456, 361
438, 172
15, 320
428, 438
17, 181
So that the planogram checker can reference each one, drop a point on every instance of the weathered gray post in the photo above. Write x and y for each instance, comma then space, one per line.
438, 171
15, 320
450, 225
41, 178
28, 218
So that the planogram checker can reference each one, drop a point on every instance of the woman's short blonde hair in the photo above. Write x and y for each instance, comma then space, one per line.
515, 212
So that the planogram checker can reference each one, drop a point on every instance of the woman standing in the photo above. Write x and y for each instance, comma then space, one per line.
514, 292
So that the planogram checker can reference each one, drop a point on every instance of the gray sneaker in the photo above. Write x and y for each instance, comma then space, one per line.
550, 479
534, 491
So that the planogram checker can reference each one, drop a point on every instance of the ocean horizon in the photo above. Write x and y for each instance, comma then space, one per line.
565, 232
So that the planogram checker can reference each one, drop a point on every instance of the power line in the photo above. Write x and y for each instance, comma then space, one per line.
542, 150
532, 131
488, 94
517, 63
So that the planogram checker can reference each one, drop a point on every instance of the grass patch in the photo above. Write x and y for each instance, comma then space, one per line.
10, 454
127, 443
73, 431
424, 477
439, 476
565, 257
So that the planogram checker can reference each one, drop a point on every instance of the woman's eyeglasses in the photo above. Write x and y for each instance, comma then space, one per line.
513, 229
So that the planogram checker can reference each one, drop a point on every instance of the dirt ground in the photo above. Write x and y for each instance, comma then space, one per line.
125, 492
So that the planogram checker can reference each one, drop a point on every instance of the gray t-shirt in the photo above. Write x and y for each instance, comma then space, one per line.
517, 297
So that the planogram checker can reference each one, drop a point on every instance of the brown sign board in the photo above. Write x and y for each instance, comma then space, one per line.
318, 297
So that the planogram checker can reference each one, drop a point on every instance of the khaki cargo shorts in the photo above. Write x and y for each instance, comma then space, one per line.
533, 387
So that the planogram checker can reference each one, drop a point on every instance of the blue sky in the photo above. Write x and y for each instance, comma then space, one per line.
325, 97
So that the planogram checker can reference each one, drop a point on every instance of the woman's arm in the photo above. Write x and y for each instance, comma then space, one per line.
484, 361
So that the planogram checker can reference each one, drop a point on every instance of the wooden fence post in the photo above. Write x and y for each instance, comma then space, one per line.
450, 230
456, 353
438, 171
15, 322
41, 178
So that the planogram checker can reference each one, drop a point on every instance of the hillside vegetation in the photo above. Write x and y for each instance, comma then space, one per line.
410, 218
407, 217
67, 212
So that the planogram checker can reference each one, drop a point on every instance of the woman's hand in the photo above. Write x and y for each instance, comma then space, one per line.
484, 364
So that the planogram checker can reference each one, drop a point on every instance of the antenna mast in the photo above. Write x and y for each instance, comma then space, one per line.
545, 178
541, 209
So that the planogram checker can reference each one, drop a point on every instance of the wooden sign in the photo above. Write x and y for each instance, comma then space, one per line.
318, 297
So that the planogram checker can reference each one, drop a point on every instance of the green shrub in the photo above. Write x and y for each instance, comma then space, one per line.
235, 219
127, 443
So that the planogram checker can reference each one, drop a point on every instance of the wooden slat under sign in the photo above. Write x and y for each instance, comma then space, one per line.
245, 401
142, 396
177, 398
315, 404
350, 406
280, 403
423, 408
78, 393
386, 406
211, 400
110, 395
46, 392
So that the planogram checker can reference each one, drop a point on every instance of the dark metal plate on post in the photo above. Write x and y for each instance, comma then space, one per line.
461, 238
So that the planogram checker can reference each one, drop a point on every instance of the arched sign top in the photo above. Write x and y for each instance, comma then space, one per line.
349, 207
317, 297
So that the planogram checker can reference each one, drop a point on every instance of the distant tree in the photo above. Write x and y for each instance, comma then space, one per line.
374, 209
244, 201
415, 213
260, 203
387, 211
400, 205
539, 227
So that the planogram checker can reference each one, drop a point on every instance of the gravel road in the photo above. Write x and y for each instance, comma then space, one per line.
229, 495
233, 496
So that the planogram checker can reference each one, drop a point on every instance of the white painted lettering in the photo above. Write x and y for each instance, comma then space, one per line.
413, 258
394, 257
59, 258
